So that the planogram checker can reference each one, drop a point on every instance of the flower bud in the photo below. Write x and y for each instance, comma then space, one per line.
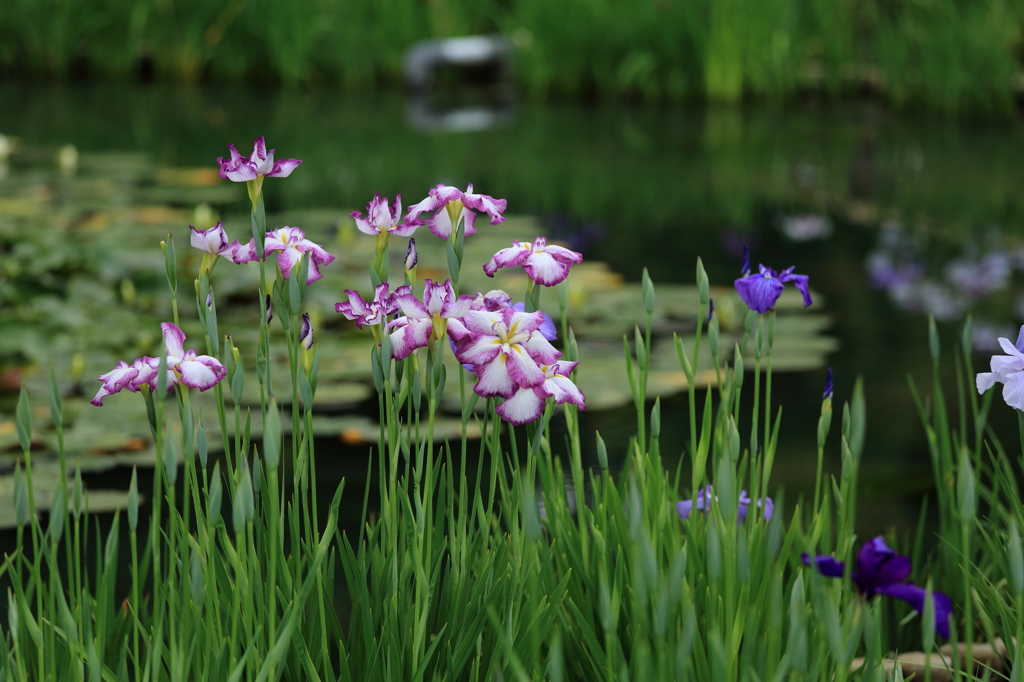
703, 285
306, 336
411, 257
648, 289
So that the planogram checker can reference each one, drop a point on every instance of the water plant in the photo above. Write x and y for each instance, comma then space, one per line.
514, 561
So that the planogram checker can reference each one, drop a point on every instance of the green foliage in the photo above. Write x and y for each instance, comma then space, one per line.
952, 55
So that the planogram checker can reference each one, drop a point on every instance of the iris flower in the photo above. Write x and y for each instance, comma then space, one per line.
374, 311
292, 243
526, 404
505, 349
239, 168
760, 291
547, 265
1007, 370
427, 319
451, 204
381, 219
214, 241
880, 570
685, 507
196, 371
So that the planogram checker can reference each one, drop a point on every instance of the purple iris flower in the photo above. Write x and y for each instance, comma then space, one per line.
880, 570
544, 264
374, 311
760, 291
186, 367
379, 218
827, 393
214, 241
685, 507
239, 168
527, 404
291, 243
449, 205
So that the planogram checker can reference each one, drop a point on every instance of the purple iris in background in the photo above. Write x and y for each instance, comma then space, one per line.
880, 570
760, 291
1007, 370
685, 507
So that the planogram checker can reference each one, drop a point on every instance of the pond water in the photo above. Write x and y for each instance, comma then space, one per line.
890, 217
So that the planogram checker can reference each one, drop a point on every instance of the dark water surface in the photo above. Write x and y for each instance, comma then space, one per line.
890, 217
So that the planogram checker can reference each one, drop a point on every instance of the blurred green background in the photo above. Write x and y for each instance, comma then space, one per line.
953, 56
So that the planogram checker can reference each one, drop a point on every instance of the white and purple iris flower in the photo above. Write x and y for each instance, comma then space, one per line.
380, 219
880, 570
547, 265
291, 242
761, 290
214, 241
704, 495
505, 349
527, 404
450, 204
195, 371
374, 311
424, 320
239, 168
1007, 370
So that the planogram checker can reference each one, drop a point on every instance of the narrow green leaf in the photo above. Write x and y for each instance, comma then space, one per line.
23, 417
133, 502
171, 264
56, 404
21, 511
213, 500
272, 434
